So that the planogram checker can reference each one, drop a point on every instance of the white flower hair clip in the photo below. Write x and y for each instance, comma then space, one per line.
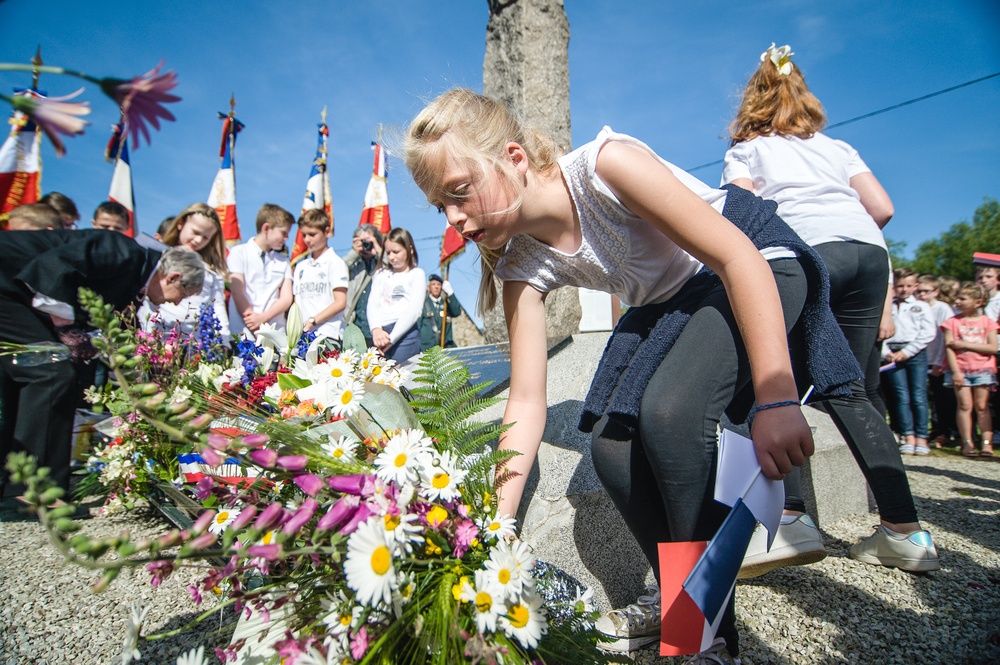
781, 57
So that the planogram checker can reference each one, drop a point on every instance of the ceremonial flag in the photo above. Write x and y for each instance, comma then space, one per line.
317, 189
223, 194
376, 210
20, 164
121, 180
452, 244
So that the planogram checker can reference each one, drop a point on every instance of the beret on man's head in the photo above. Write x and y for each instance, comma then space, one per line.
435, 278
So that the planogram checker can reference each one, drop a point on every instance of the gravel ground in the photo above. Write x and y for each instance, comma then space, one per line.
836, 611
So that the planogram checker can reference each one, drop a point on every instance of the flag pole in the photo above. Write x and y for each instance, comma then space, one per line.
444, 308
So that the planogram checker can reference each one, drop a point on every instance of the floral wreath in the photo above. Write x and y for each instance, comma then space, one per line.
780, 56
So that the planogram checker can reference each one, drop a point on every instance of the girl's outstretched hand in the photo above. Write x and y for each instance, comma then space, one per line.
782, 439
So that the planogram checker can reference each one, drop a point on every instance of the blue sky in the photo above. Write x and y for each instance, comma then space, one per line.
670, 73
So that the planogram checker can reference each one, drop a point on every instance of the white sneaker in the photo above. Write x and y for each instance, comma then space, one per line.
717, 654
632, 627
796, 544
907, 449
914, 552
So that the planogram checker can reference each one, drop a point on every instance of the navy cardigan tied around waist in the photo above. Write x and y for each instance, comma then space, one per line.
645, 334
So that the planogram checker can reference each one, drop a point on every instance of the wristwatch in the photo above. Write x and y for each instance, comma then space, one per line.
311, 320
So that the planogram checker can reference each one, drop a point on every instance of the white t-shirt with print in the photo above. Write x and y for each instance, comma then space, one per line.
313, 286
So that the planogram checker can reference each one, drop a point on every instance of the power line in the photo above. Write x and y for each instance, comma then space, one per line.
873, 113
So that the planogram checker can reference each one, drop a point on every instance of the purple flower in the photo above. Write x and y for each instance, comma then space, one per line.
218, 442
269, 552
203, 489
160, 570
54, 115
269, 517
203, 521
359, 643
360, 516
341, 511
195, 594
292, 462
263, 457
309, 483
201, 542
142, 99
465, 533
243, 518
212, 457
301, 516
355, 484
254, 440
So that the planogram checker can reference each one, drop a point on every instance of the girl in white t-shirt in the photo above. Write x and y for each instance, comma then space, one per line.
827, 194
397, 297
613, 216
196, 227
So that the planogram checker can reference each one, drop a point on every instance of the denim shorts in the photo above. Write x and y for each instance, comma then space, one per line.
973, 380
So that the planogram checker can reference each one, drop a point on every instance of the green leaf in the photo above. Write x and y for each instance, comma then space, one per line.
292, 382
354, 339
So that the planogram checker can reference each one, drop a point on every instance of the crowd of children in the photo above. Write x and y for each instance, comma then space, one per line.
940, 365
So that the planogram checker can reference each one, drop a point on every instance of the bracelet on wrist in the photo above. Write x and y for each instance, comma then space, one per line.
775, 405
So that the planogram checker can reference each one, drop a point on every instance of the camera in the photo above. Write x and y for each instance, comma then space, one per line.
367, 245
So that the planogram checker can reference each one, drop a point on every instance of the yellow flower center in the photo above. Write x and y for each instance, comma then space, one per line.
494, 526
436, 515
518, 616
345, 619
503, 576
376, 370
400, 460
222, 517
391, 522
268, 538
346, 397
338, 453
337, 372
484, 601
440, 480
380, 560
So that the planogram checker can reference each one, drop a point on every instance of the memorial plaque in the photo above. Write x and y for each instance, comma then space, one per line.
491, 363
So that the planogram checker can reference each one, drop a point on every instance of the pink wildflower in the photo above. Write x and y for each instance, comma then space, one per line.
54, 115
341, 511
301, 516
268, 552
292, 462
465, 533
142, 99
309, 483
359, 643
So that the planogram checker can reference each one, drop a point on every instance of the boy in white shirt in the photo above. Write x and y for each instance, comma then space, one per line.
260, 275
320, 281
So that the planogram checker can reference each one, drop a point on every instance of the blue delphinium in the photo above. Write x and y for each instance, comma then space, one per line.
248, 351
307, 338
208, 337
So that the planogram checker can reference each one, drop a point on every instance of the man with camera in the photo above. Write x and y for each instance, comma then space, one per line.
362, 261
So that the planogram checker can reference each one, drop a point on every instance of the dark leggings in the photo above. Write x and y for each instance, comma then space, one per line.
859, 277
662, 481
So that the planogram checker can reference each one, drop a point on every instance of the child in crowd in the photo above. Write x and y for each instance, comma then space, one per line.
198, 228
613, 216
34, 217
970, 339
111, 216
396, 299
320, 281
66, 208
988, 277
833, 201
260, 275
908, 350
948, 289
942, 400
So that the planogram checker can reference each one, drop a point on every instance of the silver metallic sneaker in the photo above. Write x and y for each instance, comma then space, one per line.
632, 627
914, 552
796, 544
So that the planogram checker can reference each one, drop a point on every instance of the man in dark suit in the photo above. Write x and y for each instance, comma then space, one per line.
439, 297
41, 273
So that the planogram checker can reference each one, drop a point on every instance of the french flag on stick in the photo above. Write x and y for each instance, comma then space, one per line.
121, 180
697, 578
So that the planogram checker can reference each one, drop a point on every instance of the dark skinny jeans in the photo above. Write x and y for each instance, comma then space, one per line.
859, 277
663, 480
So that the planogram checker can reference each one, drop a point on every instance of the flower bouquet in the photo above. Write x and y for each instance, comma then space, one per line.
370, 525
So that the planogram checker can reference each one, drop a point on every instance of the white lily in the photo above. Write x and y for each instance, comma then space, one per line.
272, 341
294, 324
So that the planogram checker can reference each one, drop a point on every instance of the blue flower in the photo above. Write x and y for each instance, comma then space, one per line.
208, 335
307, 338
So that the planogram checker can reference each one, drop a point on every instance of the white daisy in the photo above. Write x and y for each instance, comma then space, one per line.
340, 448
525, 620
440, 477
223, 519
345, 397
525, 560
351, 357
368, 567
404, 529
503, 572
378, 368
405, 588
335, 368
498, 527
487, 602
193, 657
130, 645
400, 460
341, 615
583, 606
232, 376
